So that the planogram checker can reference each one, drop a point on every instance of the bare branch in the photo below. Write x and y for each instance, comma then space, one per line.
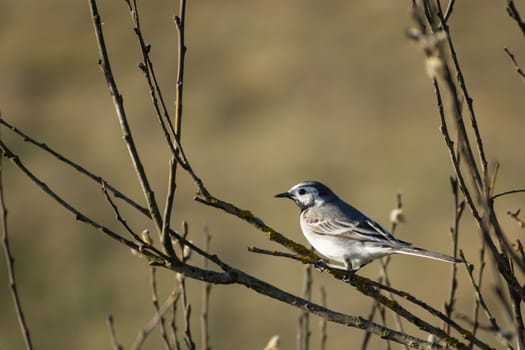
323, 325
396, 217
180, 21
152, 324
148, 69
470, 103
303, 321
111, 328
516, 66
459, 206
206, 289
479, 297
519, 190
123, 119
155, 300
186, 254
450, 8
371, 289
148, 251
118, 215
10, 262
513, 12
165, 236
76, 166
248, 216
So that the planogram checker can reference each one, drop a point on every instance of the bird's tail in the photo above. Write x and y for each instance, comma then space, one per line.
427, 254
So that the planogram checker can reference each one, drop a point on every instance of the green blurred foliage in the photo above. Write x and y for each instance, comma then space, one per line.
276, 92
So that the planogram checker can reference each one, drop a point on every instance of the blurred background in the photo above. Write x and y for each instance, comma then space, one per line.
275, 93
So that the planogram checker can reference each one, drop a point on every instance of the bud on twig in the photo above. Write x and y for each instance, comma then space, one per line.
397, 216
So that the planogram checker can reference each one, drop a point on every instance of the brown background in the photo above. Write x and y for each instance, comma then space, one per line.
276, 93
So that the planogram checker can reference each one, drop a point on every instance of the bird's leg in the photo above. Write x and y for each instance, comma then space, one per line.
350, 270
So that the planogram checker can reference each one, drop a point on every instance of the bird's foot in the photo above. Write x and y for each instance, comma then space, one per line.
349, 275
320, 265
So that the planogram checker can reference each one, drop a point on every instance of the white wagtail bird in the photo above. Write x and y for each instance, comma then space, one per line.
342, 233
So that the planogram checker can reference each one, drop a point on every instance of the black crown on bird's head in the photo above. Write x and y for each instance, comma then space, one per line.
308, 193
321, 188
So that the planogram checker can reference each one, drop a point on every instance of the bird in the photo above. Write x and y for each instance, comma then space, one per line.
343, 234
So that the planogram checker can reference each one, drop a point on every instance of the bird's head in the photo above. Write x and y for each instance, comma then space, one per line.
308, 194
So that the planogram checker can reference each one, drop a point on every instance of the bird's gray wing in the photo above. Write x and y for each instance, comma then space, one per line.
365, 230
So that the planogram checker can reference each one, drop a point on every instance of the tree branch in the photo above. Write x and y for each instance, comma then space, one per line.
516, 66
10, 263
42, 146
513, 12
123, 120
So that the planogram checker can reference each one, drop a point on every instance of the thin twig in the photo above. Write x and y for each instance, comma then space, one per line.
470, 103
480, 298
173, 327
118, 216
168, 206
508, 309
155, 300
507, 335
10, 262
179, 237
518, 190
248, 216
453, 155
323, 323
180, 21
152, 324
459, 206
164, 119
149, 251
206, 289
123, 119
368, 335
484, 230
149, 73
516, 65
188, 338
89, 174
42, 146
178, 151
517, 319
186, 253
303, 321
449, 10
477, 304
513, 12
279, 253
111, 327
396, 217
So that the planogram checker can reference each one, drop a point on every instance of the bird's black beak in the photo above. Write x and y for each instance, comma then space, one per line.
283, 195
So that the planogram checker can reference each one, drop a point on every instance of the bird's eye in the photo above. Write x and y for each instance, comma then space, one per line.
302, 191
